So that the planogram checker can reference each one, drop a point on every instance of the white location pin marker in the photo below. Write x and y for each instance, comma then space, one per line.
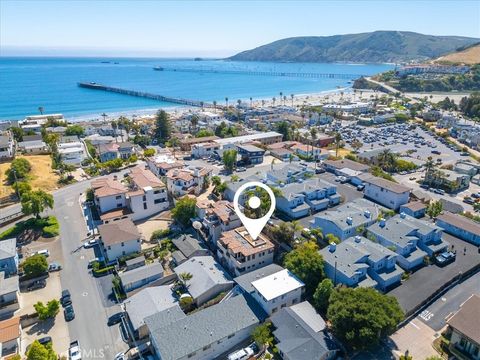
254, 226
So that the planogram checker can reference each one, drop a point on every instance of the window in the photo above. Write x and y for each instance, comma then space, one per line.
144, 198
230, 336
145, 206
207, 347
274, 310
158, 201
123, 244
118, 197
156, 192
119, 205
191, 354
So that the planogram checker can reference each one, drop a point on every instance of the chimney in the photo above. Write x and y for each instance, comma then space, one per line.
196, 172
332, 247
289, 173
382, 222
349, 220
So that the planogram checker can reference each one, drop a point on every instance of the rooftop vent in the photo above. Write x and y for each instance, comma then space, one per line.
382, 222
349, 220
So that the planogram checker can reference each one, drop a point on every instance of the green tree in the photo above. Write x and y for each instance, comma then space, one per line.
47, 311
35, 202
148, 152
332, 239
284, 128
185, 277
22, 187
204, 133
35, 265
229, 158
306, 262
75, 130
163, 127
262, 334
17, 133
322, 295
38, 351
361, 317
19, 170
184, 210
434, 209
338, 141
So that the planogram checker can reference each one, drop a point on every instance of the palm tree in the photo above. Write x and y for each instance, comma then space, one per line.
313, 134
40, 109
251, 99
226, 101
104, 116
193, 121
273, 100
185, 277
284, 99
338, 141
291, 97
115, 127
281, 96
215, 105
263, 102
273, 163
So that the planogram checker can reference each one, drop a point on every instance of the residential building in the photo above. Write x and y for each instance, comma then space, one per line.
145, 196
306, 197
205, 334
106, 130
204, 150
264, 138
278, 290
145, 303
250, 154
219, 218
10, 333
191, 180
301, 334
119, 238
9, 291
239, 253
460, 226
8, 256
284, 154
135, 263
245, 281
209, 278
467, 168
464, 328
7, 148
162, 162
108, 152
309, 151
360, 262
186, 144
187, 247
357, 107
412, 239
447, 179
141, 276
126, 150
385, 192
335, 166
348, 219
35, 122
415, 209
72, 152
32, 147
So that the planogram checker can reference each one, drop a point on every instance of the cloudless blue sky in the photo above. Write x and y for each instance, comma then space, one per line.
211, 28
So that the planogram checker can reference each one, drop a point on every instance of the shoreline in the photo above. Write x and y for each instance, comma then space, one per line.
314, 98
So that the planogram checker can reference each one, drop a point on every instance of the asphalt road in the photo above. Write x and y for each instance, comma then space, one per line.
90, 324
435, 315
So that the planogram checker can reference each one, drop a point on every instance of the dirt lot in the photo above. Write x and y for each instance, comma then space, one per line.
42, 175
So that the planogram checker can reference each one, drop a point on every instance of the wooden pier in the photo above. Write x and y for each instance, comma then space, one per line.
310, 75
147, 95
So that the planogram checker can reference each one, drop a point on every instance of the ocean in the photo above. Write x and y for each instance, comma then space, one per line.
28, 83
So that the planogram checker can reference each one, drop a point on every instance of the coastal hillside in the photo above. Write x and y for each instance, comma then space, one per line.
375, 47
469, 56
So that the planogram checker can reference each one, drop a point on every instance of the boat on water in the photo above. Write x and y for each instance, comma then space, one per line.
158, 68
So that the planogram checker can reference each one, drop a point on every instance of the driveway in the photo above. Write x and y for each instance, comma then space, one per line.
425, 281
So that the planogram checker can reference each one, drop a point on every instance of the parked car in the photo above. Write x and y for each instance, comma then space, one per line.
412, 178
43, 252
43, 341
93, 261
69, 313
66, 299
115, 319
360, 187
90, 243
74, 352
38, 284
54, 267
241, 169
242, 354
468, 200
439, 191
319, 170
445, 258
120, 356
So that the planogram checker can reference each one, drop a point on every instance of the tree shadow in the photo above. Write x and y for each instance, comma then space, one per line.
41, 327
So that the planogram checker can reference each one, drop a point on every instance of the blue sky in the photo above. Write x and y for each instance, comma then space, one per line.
211, 28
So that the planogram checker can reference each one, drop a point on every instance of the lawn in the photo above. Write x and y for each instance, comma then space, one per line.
42, 175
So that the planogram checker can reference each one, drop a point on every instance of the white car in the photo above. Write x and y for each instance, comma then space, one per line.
90, 243
120, 356
242, 354
43, 252
74, 351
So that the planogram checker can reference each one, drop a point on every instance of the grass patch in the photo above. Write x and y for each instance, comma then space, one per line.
48, 226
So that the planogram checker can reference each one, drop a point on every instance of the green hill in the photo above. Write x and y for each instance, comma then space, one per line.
374, 47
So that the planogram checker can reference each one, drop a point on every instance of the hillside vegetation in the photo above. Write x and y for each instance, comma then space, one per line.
378, 46
469, 56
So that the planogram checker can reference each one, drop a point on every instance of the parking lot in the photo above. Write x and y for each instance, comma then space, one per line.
425, 281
